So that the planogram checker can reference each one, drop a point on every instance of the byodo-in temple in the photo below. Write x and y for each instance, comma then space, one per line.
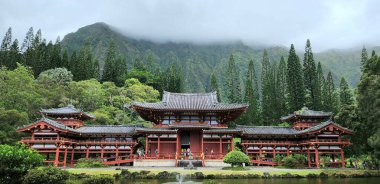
186, 126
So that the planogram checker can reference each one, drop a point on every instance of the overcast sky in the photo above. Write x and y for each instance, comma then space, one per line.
328, 24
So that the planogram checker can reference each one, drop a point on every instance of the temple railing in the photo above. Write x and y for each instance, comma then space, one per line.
45, 139
296, 143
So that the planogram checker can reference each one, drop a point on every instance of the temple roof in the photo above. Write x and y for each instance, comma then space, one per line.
189, 101
66, 111
156, 130
50, 122
305, 112
267, 130
322, 125
222, 130
107, 129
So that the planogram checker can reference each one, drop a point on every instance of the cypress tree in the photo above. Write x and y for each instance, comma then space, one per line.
56, 60
313, 94
5, 48
65, 59
345, 95
73, 62
252, 116
294, 81
26, 47
268, 91
214, 85
14, 55
330, 98
281, 88
233, 84
364, 59
109, 73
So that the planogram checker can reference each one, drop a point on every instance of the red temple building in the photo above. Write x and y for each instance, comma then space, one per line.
185, 126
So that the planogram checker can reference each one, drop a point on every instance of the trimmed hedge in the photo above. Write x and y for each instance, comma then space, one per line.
236, 158
46, 175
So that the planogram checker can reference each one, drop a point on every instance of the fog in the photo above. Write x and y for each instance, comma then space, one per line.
328, 24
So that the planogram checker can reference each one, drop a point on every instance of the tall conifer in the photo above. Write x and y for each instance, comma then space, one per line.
294, 81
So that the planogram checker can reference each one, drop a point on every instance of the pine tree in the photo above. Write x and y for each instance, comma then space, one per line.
5, 48
65, 59
121, 70
56, 61
73, 62
14, 55
294, 81
364, 59
149, 57
313, 94
26, 47
345, 95
266, 90
368, 133
233, 84
214, 85
281, 88
109, 73
330, 98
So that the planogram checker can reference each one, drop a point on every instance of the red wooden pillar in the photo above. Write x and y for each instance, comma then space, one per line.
317, 157
65, 157
33, 135
131, 152
288, 151
232, 143
102, 151
146, 144
177, 150
158, 145
342, 157
220, 146
308, 157
72, 156
202, 141
260, 152
117, 152
56, 161
274, 152
87, 151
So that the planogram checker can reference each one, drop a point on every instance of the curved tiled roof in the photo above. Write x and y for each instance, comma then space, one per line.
107, 129
189, 101
305, 112
154, 130
68, 110
52, 123
267, 130
323, 124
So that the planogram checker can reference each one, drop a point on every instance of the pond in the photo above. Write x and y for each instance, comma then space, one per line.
372, 180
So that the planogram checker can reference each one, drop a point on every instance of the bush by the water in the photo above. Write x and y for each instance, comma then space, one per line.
99, 179
90, 163
16, 161
46, 175
294, 161
236, 158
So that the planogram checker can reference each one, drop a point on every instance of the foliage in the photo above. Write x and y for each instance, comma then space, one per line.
90, 163
9, 120
16, 161
324, 161
236, 158
294, 161
239, 168
46, 175
295, 81
233, 84
57, 76
99, 179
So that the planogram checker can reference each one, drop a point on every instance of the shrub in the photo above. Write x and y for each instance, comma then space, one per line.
90, 163
16, 161
294, 161
325, 161
99, 179
278, 159
289, 162
236, 158
240, 168
46, 175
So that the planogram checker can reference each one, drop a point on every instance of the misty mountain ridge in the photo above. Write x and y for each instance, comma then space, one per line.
199, 61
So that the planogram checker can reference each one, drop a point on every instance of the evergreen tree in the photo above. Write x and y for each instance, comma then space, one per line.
281, 88
73, 62
313, 93
110, 73
214, 85
233, 85
368, 97
330, 98
364, 59
267, 74
121, 70
65, 59
294, 81
28, 40
345, 95
149, 57
14, 55
5, 48
56, 60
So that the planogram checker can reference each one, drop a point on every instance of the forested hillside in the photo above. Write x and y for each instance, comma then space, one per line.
198, 62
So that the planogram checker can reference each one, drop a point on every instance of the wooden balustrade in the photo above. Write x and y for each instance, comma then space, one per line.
62, 139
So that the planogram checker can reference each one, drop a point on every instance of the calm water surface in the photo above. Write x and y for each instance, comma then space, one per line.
373, 180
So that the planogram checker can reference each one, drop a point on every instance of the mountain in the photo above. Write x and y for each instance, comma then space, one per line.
199, 61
